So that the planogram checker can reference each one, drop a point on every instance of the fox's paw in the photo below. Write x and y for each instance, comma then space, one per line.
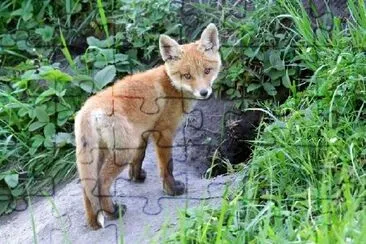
139, 176
174, 189
117, 209
115, 214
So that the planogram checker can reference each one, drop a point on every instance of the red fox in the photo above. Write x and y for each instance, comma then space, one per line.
112, 129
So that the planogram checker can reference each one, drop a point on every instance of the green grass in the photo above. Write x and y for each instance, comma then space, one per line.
306, 181
103, 18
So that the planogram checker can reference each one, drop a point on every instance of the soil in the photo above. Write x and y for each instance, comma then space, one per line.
60, 217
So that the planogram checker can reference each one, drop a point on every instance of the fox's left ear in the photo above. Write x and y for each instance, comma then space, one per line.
209, 39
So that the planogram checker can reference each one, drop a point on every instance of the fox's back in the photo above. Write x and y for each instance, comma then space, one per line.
142, 98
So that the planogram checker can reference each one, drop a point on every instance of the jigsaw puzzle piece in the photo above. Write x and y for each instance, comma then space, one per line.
109, 234
179, 147
59, 232
17, 198
201, 135
201, 191
65, 219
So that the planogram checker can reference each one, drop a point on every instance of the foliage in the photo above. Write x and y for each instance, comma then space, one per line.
261, 55
306, 179
54, 54
258, 49
30, 29
36, 114
142, 22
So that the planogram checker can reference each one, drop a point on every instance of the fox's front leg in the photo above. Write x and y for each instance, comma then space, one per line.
163, 145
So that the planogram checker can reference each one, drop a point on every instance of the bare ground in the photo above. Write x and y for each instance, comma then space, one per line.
60, 218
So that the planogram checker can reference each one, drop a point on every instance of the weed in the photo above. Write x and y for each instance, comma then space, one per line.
306, 179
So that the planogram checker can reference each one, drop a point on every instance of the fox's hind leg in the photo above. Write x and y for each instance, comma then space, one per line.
91, 215
90, 194
87, 160
108, 173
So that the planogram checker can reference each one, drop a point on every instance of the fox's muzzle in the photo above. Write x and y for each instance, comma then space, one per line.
203, 93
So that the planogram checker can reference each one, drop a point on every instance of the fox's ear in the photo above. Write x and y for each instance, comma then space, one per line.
169, 48
209, 39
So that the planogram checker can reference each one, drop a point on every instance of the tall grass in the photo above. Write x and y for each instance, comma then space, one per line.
306, 179
103, 18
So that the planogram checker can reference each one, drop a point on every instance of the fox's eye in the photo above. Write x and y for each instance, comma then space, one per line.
207, 71
187, 76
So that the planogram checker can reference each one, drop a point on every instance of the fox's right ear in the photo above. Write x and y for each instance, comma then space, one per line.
169, 48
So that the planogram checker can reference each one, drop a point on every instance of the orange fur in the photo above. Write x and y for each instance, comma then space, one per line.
113, 126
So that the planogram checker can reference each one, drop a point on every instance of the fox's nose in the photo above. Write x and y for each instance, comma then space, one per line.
203, 92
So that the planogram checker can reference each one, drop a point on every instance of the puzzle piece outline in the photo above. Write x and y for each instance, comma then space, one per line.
157, 112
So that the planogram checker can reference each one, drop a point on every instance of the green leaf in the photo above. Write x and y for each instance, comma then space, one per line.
275, 60
26, 10
7, 41
45, 96
230, 91
270, 89
275, 74
245, 40
250, 52
46, 33
22, 112
253, 86
61, 93
238, 103
51, 107
286, 80
12, 180
237, 94
5, 194
37, 141
62, 107
3, 206
42, 115
85, 82
63, 116
48, 143
18, 191
49, 130
36, 125
48, 92
276, 82
87, 86
30, 75
55, 75
120, 58
92, 41
105, 76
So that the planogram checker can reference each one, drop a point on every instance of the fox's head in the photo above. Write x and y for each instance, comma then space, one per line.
193, 67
